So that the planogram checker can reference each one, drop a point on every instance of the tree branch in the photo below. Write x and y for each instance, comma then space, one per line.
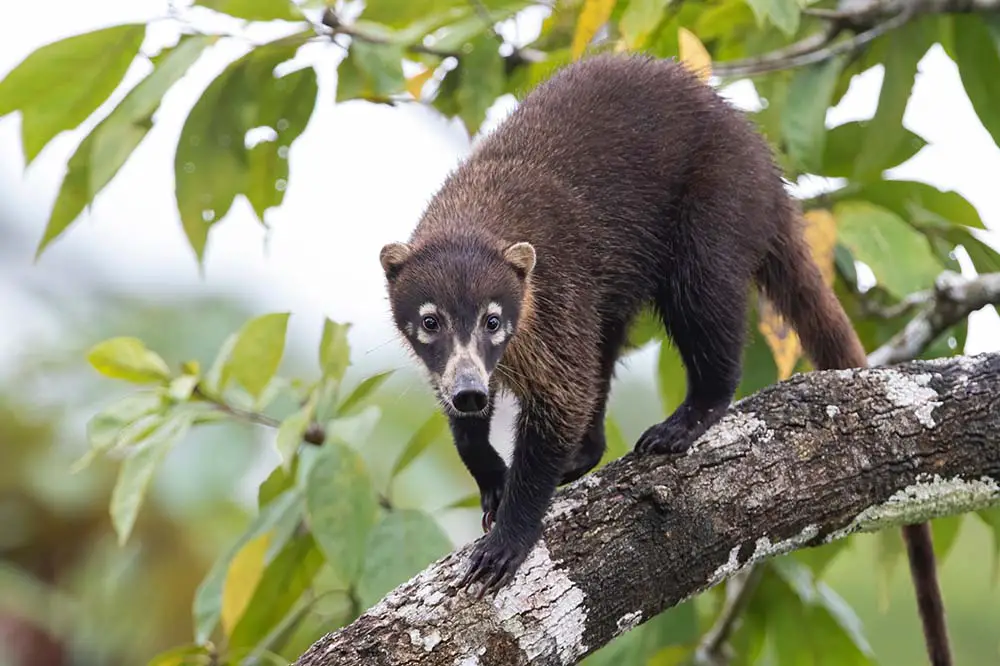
954, 298
798, 464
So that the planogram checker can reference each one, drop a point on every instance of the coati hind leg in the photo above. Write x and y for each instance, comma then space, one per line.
594, 442
704, 310
590, 452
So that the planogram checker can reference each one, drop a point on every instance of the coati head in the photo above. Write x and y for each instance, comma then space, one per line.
458, 302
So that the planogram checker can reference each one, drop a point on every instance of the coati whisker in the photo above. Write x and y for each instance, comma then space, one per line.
620, 182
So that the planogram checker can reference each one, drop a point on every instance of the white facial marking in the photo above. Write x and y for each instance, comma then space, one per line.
498, 336
463, 354
423, 335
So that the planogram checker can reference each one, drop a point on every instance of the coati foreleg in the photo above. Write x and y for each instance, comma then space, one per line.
472, 439
704, 313
546, 437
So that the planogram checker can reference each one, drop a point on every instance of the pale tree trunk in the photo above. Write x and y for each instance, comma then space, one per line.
798, 464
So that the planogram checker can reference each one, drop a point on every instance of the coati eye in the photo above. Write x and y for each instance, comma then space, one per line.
492, 323
430, 323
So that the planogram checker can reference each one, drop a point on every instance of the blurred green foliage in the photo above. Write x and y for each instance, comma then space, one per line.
339, 524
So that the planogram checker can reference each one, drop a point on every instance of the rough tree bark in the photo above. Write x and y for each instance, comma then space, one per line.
798, 464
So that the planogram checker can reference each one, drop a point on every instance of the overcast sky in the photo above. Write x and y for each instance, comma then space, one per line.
359, 167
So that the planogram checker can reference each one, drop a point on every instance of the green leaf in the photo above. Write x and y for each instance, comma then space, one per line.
216, 378
900, 257
432, 429
907, 198
400, 546
398, 13
803, 120
481, 81
255, 10
991, 517
818, 558
207, 605
212, 164
471, 501
187, 655
281, 584
334, 350
889, 547
276, 484
807, 622
341, 505
372, 72
361, 392
257, 353
137, 470
759, 369
105, 429
50, 101
646, 327
616, 444
292, 429
286, 105
105, 150
640, 20
671, 378
355, 430
944, 531
128, 359
976, 43
845, 142
783, 14
885, 133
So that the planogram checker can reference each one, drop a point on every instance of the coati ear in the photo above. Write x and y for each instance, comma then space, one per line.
392, 257
522, 257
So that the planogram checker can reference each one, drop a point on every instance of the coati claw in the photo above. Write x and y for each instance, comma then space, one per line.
488, 520
493, 563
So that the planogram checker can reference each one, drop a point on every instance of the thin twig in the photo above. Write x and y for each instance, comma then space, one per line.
777, 61
713, 649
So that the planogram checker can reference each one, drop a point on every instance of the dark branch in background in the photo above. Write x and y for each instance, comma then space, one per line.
953, 299
641, 535
867, 21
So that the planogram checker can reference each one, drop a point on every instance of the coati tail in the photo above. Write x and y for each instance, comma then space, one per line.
793, 283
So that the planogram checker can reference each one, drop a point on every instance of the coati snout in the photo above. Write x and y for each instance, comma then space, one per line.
458, 307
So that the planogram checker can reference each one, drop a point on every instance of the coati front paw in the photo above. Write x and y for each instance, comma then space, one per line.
494, 561
677, 433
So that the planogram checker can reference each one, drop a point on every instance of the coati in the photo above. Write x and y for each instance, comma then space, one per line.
621, 181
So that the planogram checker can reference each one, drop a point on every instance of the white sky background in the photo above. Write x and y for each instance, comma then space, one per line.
367, 168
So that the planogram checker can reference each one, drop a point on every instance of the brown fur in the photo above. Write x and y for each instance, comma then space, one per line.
634, 183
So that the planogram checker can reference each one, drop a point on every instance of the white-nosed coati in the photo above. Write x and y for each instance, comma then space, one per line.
623, 180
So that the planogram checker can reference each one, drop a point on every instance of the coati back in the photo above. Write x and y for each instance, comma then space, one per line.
621, 181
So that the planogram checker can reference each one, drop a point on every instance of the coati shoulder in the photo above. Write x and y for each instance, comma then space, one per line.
621, 181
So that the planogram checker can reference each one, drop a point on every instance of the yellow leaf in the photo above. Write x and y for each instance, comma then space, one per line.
593, 15
241, 580
415, 83
694, 54
821, 236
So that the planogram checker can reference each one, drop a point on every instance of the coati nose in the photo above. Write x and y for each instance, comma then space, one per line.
469, 395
